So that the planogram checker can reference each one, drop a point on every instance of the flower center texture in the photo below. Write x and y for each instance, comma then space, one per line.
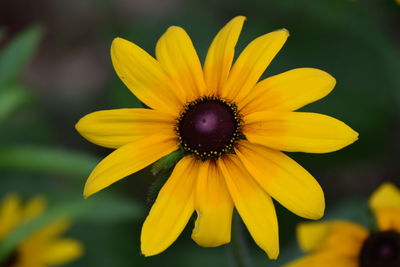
381, 249
209, 127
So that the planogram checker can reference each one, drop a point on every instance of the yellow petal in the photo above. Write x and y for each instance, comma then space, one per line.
298, 131
252, 63
344, 238
324, 259
129, 159
220, 55
311, 235
144, 76
62, 251
52, 230
387, 195
385, 203
35, 207
172, 209
118, 127
10, 214
282, 178
214, 207
288, 91
178, 57
253, 204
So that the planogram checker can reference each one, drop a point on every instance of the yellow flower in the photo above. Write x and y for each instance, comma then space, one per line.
346, 244
231, 128
43, 248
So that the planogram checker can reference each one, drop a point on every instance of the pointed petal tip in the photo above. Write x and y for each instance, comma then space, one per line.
117, 41
145, 254
147, 251
86, 193
273, 255
330, 80
80, 125
174, 28
317, 215
353, 136
385, 195
283, 31
240, 18
319, 210
209, 243
88, 190
77, 126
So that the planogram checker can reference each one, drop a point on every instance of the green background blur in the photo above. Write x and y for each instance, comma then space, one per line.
55, 67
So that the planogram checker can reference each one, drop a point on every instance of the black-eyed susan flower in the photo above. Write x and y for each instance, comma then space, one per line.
43, 248
231, 128
347, 244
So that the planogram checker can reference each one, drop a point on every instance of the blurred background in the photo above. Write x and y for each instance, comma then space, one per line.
55, 67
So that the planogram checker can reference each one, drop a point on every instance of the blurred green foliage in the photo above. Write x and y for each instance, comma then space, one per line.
40, 152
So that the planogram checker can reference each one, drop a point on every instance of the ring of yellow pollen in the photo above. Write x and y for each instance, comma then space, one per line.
209, 127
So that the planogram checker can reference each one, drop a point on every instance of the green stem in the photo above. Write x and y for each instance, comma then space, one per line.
239, 249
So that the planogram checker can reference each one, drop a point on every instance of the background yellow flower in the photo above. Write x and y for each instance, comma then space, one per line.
43, 248
347, 244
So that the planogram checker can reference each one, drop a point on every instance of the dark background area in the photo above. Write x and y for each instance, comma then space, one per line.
68, 74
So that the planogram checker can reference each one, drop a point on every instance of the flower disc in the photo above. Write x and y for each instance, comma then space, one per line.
381, 249
208, 127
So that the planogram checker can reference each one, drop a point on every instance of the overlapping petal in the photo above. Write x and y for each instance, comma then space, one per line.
178, 57
34, 207
62, 251
342, 237
283, 179
298, 131
385, 203
118, 127
172, 210
324, 259
144, 76
129, 159
288, 91
252, 63
254, 205
10, 214
220, 55
214, 207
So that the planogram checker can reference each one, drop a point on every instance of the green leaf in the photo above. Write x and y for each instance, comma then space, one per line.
166, 162
156, 186
11, 99
40, 159
17, 54
111, 208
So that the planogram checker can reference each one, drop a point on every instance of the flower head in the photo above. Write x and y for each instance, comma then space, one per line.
231, 128
43, 248
343, 243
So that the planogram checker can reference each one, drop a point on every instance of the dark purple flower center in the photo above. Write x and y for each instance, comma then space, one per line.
381, 249
209, 127
10, 261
